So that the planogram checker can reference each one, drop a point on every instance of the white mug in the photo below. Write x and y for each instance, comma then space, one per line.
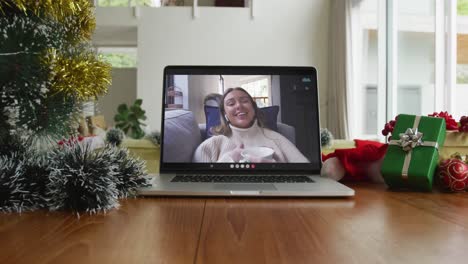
257, 152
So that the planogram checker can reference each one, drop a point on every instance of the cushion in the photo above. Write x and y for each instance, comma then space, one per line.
181, 136
212, 119
212, 116
270, 114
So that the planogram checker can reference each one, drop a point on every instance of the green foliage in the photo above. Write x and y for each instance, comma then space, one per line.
462, 7
128, 119
462, 73
120, 60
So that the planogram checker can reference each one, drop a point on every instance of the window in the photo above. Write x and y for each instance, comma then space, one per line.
259, 89
414, 57
407, 57
461, 90
119, 57
368, 60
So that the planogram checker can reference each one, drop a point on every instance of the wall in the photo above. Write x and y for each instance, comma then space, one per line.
122, 90
115, 26
289, 33
201, 86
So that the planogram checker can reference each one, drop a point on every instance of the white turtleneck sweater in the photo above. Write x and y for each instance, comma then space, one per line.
218, 148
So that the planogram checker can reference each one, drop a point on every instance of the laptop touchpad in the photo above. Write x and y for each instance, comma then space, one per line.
245, 186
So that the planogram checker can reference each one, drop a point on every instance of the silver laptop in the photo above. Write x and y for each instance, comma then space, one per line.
241, 131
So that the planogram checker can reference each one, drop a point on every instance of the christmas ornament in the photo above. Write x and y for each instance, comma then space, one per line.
115, 136
453, 174
326, 137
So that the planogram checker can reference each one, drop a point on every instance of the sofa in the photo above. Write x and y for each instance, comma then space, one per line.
183, 134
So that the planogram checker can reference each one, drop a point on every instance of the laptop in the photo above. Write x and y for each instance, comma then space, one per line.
241, 131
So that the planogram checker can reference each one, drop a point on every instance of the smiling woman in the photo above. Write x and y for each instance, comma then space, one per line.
239, 110
242, 131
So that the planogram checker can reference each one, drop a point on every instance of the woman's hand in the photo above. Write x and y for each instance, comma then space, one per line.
233, 155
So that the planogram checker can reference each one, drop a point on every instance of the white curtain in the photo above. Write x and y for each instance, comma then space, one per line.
337, 94
340, 116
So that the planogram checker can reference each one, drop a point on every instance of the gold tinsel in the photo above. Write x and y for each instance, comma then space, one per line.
83, 76
77, 14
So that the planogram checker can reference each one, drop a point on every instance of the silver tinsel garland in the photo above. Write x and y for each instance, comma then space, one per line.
22, 182
81, 180
71, 177
129, 172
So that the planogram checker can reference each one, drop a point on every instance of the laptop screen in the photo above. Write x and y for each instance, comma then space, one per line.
240, 118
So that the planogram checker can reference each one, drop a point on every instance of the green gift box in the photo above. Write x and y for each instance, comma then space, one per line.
412, 154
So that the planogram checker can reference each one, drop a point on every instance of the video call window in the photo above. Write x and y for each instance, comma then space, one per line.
240, 118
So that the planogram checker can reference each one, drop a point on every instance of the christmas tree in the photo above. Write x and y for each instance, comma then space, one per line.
47, 70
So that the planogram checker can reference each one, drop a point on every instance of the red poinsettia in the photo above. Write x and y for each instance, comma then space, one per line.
451, 124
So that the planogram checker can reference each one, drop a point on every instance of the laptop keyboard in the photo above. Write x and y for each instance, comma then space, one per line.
242, 179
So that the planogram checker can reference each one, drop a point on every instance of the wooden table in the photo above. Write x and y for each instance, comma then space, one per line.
376, 226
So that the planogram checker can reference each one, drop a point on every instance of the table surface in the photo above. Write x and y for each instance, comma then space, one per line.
375, 226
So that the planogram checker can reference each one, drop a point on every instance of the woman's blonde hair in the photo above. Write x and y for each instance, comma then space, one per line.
223, 128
